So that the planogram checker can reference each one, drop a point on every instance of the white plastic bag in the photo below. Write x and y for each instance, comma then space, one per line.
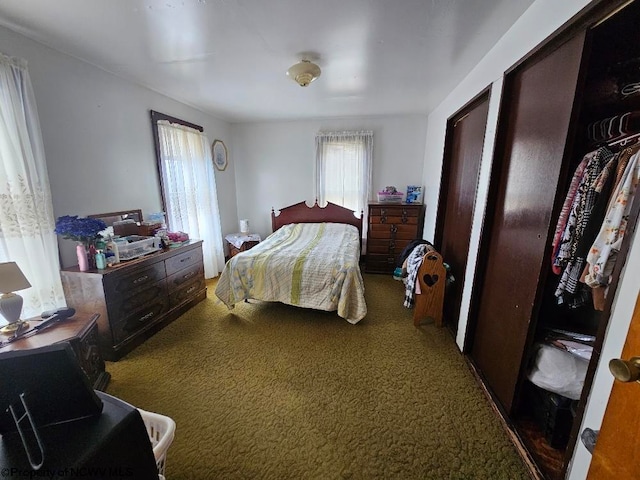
559, 371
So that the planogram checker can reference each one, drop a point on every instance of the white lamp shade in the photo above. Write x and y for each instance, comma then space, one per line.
11, 278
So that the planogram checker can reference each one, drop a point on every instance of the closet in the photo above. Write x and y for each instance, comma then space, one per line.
463, 151
571, 96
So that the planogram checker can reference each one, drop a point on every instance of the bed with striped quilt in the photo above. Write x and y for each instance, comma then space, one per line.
310, 265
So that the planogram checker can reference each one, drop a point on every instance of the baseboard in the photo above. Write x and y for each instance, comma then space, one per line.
517, 442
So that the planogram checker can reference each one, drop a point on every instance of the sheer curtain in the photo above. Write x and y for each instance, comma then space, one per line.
189, 184
343, 169
26, 213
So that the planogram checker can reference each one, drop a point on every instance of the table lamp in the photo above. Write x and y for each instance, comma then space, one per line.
11, 280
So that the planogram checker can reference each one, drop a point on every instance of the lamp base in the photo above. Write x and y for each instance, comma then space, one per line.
11, 328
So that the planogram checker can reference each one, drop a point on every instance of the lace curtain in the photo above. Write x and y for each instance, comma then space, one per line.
189, 186
26, 213
343, 169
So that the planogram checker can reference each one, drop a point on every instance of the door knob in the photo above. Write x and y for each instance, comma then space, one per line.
625, 370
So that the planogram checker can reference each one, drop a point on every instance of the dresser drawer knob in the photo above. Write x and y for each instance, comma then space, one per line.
146, 317
141, 279
383, 211
405, 219
188, 275
393, 229
191, 289
186, 259
383, 219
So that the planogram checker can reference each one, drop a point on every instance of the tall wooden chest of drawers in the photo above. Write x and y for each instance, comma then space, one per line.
391, 228
137, 298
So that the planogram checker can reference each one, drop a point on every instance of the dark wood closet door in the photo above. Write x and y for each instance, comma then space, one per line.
465, 139
536, 113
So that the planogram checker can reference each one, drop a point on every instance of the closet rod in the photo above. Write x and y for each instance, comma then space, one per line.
624, 140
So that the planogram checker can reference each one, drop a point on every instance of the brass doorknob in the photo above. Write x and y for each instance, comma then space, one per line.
625, 370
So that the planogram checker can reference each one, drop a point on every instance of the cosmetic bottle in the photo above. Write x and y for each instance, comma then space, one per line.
112, 246
101, 260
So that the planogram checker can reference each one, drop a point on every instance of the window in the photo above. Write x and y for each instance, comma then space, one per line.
188, 186
343, 169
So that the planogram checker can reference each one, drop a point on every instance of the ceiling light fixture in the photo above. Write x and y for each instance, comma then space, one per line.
304, 72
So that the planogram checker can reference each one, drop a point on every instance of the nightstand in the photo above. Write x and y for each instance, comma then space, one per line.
81, 331
240, 242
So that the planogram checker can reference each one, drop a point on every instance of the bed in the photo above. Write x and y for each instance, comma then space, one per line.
311, 260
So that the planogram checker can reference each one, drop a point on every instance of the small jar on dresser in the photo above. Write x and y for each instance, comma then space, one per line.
391, 227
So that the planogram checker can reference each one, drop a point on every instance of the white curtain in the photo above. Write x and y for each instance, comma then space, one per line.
343, 169
189, 185
26, 213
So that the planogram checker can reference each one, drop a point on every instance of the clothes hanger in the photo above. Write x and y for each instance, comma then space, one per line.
624, 122
612, 121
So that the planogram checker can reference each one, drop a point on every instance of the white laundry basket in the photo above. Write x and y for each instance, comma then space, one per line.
161, 430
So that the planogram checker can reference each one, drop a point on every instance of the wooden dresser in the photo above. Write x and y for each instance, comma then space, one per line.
137, 298
391, 228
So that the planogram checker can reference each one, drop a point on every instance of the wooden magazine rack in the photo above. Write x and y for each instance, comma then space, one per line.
432, 277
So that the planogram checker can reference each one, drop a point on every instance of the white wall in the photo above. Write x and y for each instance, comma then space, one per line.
98, 140
537, 23
275, 160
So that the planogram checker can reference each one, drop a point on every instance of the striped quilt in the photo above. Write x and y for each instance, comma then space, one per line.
310, 265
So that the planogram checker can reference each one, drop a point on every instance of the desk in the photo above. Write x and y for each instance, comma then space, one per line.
81, 331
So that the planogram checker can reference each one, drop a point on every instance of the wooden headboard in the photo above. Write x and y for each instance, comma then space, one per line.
301, 213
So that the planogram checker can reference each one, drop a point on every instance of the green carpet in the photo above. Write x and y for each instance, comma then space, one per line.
270, 391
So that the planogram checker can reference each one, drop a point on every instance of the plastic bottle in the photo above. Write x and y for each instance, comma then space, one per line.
113, 247
101, 260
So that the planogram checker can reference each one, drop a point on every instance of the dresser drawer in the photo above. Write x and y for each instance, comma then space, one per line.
380, 263
394, 211
389, 246
132, 282
395, 219
186, 291
401, 232
121, 306
178, 279
183, 260
140, 319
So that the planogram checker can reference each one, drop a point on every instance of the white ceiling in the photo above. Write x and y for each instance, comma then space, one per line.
229, 57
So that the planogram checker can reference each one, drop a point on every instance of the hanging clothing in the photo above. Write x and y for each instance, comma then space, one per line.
409, 248
569, 289
604, 185
602, 255
414, 261
566, 210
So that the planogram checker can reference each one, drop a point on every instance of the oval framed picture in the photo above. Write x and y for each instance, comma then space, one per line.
219, 153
